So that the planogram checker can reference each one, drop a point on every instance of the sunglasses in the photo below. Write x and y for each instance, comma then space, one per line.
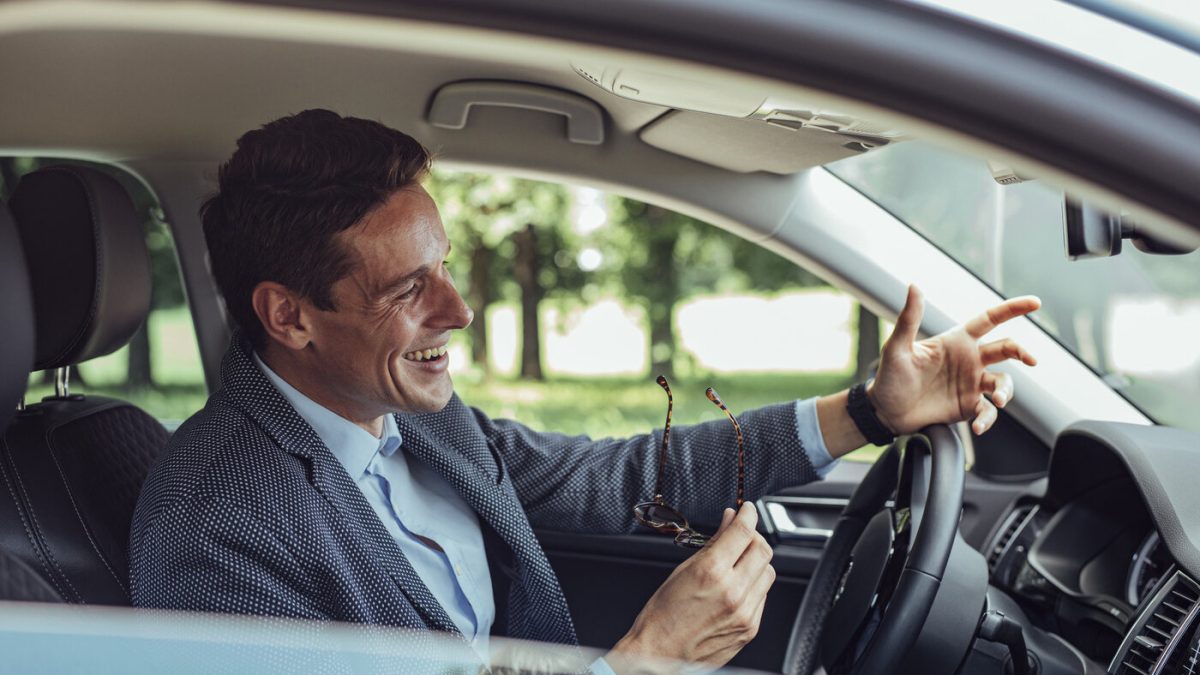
660, 517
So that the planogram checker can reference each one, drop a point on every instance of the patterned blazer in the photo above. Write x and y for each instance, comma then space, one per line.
248, 512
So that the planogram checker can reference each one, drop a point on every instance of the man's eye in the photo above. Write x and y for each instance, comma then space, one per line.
408, 293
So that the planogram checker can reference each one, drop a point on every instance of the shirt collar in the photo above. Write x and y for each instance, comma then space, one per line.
354, 446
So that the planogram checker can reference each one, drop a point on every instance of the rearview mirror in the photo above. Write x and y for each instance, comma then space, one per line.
1091, 233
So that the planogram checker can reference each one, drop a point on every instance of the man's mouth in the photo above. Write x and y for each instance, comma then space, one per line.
431, 354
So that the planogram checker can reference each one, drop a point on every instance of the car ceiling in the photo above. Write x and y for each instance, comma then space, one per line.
139, 82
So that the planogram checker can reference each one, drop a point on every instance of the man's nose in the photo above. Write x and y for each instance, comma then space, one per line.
453, 309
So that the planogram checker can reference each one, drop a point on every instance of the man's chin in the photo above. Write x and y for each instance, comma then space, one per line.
430, 401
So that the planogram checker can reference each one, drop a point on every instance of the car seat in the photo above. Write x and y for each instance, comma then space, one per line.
73, 465
18, 581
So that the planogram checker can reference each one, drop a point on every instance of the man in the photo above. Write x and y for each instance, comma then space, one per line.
335, 475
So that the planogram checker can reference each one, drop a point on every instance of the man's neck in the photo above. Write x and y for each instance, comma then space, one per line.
307, 382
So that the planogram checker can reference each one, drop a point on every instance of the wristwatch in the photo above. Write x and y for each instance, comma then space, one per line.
863, 414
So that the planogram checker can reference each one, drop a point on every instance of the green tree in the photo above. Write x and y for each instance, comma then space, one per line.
658, 257
512, 234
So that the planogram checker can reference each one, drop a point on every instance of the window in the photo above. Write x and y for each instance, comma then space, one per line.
581, 298
1132, 318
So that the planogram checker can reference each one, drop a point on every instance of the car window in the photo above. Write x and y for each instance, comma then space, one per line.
624, 291
1132, 318
160, 369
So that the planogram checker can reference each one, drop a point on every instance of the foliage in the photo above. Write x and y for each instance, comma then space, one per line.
482, 211
657, 258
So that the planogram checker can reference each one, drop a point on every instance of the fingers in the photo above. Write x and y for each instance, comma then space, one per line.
1009, 309
985, 416
999, 386
754, 560
909, 322
734, 538
1003, 350
744, 616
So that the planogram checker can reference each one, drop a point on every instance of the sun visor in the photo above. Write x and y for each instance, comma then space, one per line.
746, 145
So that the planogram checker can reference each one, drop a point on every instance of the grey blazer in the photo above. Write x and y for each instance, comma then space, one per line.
248, 512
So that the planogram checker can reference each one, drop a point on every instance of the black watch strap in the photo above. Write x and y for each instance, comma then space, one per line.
863, 414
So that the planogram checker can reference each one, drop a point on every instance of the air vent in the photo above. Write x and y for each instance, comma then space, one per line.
1013, 525
1164, 627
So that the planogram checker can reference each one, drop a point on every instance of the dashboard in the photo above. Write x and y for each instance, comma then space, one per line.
1106, 558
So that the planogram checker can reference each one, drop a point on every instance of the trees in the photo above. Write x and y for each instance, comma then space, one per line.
658, 257
511, 230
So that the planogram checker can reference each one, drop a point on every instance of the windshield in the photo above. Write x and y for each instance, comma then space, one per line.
1133, 318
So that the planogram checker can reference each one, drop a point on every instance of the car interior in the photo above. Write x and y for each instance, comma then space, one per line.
1065, 540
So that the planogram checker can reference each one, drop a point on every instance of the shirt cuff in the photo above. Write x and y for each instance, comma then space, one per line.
808, 429
601, 667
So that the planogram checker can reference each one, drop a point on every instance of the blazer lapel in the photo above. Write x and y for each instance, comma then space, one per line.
452, 443
250, 389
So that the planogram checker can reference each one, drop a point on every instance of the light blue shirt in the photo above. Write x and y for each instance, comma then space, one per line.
414, 501
809, 431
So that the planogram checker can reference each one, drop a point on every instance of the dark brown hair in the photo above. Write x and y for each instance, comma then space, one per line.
289, 188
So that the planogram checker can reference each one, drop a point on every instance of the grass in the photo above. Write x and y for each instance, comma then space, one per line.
618, 407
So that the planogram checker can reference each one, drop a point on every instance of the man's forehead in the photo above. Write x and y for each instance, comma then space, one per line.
402, 237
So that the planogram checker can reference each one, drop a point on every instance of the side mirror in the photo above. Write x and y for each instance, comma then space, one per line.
1091, 233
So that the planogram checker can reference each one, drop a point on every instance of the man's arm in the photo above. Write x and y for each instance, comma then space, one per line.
574, 483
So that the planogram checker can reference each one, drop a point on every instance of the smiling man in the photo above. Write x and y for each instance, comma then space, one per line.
335, 474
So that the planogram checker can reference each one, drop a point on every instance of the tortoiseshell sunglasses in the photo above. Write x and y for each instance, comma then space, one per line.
666, 519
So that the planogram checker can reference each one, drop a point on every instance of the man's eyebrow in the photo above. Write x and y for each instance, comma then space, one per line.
403, 280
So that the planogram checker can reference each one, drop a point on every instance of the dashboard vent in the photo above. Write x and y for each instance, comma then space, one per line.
1165, 624
1013, 524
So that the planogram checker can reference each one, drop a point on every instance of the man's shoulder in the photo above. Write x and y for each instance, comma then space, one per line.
220, 454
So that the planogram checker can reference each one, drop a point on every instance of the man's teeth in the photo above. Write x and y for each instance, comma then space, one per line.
426, 354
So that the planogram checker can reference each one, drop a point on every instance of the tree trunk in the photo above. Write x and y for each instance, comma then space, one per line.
662, 340
526, 273
662, 308
139, 370
480, 297
868, 343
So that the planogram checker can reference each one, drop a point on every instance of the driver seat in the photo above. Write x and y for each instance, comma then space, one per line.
72, 466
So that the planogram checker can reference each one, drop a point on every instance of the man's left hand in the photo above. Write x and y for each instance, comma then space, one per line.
943, 379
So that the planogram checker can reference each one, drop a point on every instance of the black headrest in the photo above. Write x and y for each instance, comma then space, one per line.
88, 265
16, 319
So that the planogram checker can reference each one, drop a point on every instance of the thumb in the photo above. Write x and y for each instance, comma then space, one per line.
909, 321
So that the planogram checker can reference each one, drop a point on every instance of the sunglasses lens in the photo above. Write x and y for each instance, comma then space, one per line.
660, 517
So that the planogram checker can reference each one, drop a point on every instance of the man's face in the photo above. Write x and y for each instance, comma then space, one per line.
397, 306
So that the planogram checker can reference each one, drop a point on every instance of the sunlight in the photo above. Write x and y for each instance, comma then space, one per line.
808, 331
1154, 336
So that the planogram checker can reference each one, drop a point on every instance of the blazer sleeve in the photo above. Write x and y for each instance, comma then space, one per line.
574, 483
210, 555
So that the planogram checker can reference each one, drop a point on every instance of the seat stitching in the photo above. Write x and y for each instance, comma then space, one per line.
79, 516
33, 539
41, 537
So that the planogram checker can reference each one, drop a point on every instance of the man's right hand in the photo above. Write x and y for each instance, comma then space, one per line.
710, 606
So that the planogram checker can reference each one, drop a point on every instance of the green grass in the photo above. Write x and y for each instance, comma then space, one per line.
620, 407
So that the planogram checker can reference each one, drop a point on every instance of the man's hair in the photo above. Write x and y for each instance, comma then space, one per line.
289, 188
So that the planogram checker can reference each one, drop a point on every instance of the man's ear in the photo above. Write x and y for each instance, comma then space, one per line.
280, 313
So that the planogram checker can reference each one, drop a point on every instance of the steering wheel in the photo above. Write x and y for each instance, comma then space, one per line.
876, 581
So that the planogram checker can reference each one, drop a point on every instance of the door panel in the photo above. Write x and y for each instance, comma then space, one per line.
608, 579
